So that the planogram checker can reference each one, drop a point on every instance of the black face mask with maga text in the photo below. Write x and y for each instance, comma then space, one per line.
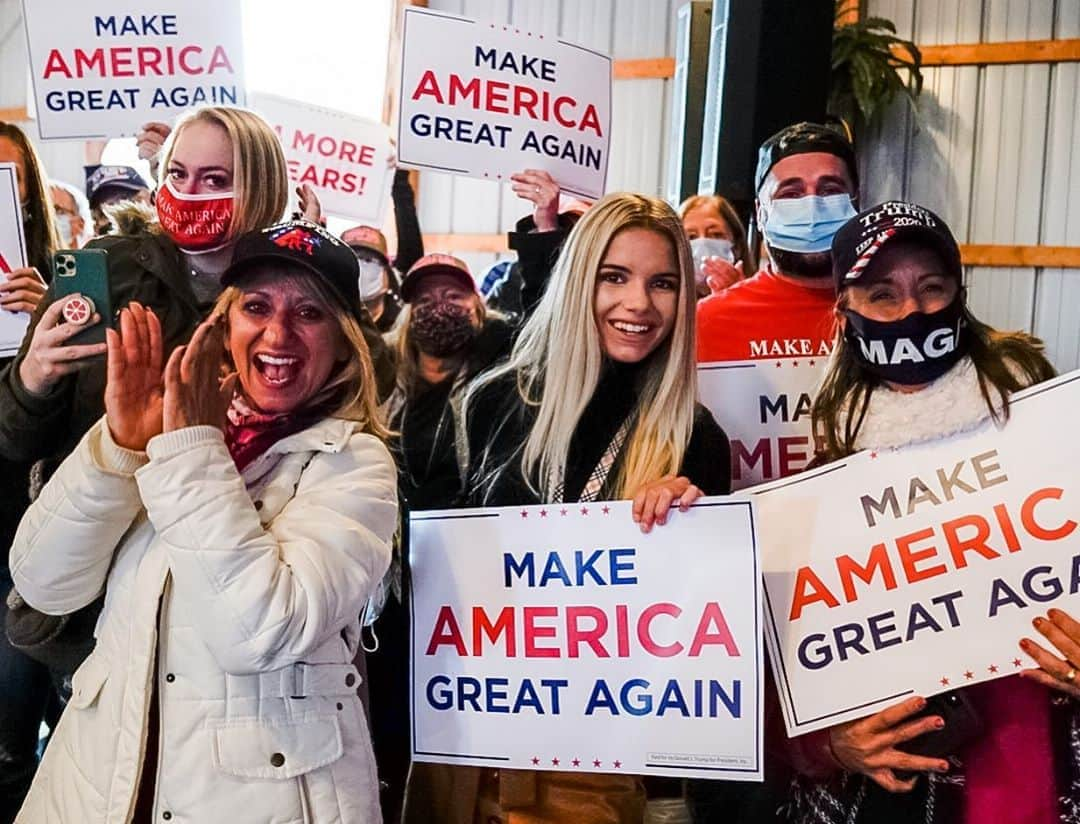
914, 350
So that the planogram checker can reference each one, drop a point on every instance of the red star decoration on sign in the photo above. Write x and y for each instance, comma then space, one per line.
1017, 662
584, 510
618, 764
969, 675
596, 762
524, 514
562, 512
992, 668
873, 455
576, 762
535, 760
554, 762
811, 363
944, 682
795, 363
543, 513
606, 510
778, 364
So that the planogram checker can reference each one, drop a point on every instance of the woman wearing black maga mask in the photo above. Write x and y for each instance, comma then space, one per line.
921, 346
912, 364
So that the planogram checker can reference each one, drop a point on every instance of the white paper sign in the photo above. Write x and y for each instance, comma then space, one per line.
561, 638
487, 100
103, 68
345, 158
764, 408
917, 571
12, 256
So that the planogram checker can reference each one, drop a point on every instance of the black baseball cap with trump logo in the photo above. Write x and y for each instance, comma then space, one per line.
862, 237
306, 245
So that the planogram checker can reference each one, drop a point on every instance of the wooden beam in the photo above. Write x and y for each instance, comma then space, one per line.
649, 68
1065, 257
1018, 51
16, 115
465, 243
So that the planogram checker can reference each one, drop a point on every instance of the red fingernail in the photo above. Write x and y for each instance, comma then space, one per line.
1037, 622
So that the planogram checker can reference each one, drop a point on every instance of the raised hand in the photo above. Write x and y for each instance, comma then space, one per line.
134, 391
541, 188
195, 392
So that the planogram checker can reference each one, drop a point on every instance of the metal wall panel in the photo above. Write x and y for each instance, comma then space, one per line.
991, 148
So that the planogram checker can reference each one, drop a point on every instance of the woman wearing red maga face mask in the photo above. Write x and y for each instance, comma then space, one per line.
911, 363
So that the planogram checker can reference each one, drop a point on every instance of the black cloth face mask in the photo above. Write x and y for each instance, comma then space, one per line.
914, 350
441, 328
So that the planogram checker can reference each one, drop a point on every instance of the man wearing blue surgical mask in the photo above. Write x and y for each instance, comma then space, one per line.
807, 188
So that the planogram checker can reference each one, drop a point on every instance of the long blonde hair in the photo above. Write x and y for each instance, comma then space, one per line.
350, 390
558, 355
260, 177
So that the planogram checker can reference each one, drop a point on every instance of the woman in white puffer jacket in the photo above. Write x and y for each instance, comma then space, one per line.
237, 537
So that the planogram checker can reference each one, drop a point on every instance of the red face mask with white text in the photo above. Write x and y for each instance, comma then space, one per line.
195, 223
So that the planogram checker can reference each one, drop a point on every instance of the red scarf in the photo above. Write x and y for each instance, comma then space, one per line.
249, 433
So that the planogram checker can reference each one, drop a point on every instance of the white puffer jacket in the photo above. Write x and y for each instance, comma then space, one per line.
247, 589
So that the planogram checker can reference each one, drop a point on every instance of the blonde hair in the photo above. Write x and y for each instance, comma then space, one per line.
558, 355
350, 390
260, 177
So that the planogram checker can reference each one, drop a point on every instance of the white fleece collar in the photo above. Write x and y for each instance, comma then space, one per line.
951, 404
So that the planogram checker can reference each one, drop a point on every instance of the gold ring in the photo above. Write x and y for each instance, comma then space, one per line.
1070, 676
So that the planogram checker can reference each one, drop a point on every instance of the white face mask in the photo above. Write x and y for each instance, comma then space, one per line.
707, 247
63, 228
372, 280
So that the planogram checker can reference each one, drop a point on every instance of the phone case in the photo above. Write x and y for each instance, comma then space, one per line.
84, 272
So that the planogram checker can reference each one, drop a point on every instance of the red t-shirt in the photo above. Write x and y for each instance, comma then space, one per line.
765, 316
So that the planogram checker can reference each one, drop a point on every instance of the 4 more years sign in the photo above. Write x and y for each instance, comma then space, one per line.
918, 570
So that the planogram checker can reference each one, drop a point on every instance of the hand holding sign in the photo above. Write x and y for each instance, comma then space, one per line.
1063, 632
869, 745
540, 188
653, 502
150, 140
22, 290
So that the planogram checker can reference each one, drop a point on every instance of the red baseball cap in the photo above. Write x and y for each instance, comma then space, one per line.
436, 264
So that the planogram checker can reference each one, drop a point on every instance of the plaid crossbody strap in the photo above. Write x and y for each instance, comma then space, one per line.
599, 474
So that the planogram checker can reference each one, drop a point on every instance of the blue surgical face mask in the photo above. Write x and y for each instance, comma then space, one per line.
805, 224
706, 247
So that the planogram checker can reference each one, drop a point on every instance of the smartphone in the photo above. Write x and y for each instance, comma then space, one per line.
84, 272
963, 724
